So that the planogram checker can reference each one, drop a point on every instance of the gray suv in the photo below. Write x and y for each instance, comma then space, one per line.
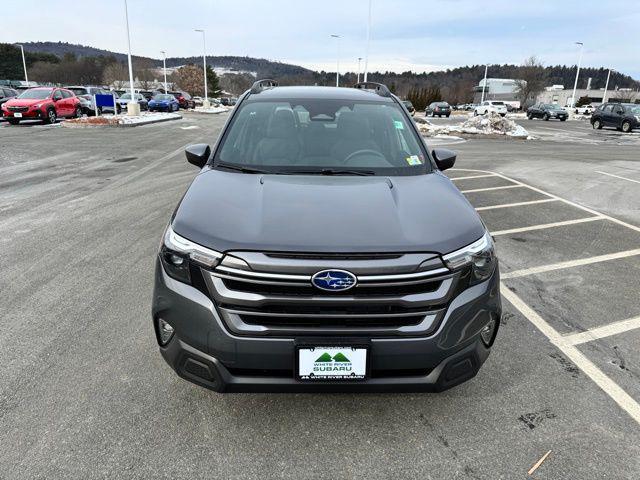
320, 248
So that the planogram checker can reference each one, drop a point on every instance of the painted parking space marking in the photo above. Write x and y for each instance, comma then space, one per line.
611, 388
618, 176
470, 177
547, 225
567, 344
516, 204
602, 332
503, 187
570, 264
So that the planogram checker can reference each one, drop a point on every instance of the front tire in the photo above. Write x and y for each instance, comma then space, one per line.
597, 125
77, 113
52, 116
626, 126
546, 117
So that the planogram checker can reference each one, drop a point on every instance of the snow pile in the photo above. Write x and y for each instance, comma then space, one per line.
481, 125
212, 109
122, 120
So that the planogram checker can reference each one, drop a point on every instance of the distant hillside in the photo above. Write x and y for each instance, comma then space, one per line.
263, 67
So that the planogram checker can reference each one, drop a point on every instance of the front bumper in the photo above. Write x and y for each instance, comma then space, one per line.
205, 352
28, 115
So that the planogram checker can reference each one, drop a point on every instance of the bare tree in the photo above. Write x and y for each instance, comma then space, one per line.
531, 82
191, 79
116, 75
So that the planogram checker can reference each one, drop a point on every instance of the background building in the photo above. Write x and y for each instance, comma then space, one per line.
562, 96
497, 89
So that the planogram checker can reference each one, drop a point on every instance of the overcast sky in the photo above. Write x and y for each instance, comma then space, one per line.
413, 35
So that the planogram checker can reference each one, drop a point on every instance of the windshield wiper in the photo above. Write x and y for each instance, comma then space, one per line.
330, 171
238, 168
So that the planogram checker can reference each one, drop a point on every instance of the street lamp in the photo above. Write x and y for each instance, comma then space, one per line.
359, 60
484, 84
575, 85
164, 65
366, 56
24, 64
606, 85
206, 103
337, 37
133, 108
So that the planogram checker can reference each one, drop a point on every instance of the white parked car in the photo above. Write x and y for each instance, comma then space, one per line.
585, 109
491, 106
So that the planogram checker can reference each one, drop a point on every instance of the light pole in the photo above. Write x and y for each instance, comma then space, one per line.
359, 60
484, 84
206, 103
337, 37
575, 85
24, 64
366, 55
606, 85
164, 65
132, 106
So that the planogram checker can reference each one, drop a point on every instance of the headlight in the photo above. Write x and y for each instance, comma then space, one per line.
480, 255
176, 254
638, 118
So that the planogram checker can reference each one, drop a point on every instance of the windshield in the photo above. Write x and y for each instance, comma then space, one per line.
79, 91
554, 107
162, 98
39, 94
497, 103
634, 110
322, 136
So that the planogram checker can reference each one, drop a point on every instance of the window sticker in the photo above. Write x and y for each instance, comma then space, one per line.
414, 160
398, 124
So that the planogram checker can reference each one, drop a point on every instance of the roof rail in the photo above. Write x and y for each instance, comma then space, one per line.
263, 84
379, 88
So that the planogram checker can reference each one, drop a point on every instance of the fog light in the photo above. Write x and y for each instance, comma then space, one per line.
165, 331
488, 331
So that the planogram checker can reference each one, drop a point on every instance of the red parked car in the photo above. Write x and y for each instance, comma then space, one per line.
44, 103
184, 99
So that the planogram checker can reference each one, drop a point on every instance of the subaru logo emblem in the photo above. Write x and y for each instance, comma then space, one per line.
334, 280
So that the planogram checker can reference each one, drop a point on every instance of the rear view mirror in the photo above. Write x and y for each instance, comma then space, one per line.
444, 158
198, 154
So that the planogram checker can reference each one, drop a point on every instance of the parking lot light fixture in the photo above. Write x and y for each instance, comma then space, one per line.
24, 64
575, 85
132, 106
366, 55
164, 66
205, 103
337, 37
606, 85
484, 84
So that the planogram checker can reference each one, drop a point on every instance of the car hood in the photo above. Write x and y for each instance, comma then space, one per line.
25, 102
232, 211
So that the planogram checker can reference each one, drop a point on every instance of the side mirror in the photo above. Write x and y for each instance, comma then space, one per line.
444, 158
198, 154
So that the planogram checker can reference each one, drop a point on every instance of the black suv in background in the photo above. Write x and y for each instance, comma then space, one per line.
6, 94
439, 109
547, 111
623, 116
322, 248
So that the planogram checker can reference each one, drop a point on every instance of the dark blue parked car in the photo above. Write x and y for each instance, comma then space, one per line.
164, 102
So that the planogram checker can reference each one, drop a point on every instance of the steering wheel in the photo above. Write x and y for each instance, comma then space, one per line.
358, 153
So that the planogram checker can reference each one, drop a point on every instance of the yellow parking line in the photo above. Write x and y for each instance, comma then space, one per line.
547, 225
570, 264
602, 332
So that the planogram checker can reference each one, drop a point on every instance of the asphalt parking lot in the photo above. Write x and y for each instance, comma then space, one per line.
85, 394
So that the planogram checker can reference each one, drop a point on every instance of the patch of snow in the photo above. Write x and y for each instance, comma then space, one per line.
480, 125
124, 120
218, 109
